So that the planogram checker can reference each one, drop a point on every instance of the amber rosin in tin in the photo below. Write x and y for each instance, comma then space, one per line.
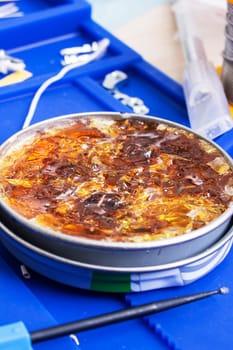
117, 191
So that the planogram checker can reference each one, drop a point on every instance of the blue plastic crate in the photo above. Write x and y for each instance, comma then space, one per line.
34, 10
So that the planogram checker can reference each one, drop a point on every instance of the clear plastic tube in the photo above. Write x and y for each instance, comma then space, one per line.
206, 101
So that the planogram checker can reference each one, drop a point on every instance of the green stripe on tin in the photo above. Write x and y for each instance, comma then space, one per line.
104, 282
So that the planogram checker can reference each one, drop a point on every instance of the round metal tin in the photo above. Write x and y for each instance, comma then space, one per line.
97, 278
110, 254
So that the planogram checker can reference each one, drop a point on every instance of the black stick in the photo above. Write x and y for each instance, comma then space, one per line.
119, 316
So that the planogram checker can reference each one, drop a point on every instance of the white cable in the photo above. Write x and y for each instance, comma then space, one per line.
102, 46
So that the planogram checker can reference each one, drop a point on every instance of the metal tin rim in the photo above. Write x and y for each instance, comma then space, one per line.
226, 237
228, 18
227, 57
115, 245
227, 35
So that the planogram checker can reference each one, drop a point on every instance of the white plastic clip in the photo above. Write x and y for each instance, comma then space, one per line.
114, 78
76, 54
10, 10
110, 82
9, 63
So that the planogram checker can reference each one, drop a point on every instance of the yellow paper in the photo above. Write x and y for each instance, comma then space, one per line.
15, 77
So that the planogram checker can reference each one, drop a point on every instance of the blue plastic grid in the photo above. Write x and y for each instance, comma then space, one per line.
35, 10
38, 301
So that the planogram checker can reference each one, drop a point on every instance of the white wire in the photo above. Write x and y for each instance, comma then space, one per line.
102, 46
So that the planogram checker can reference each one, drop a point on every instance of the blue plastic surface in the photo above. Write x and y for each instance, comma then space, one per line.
39, 302
35, 10
18, 303
15, 336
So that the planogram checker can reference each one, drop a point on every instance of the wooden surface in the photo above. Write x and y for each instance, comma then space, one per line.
154, 35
